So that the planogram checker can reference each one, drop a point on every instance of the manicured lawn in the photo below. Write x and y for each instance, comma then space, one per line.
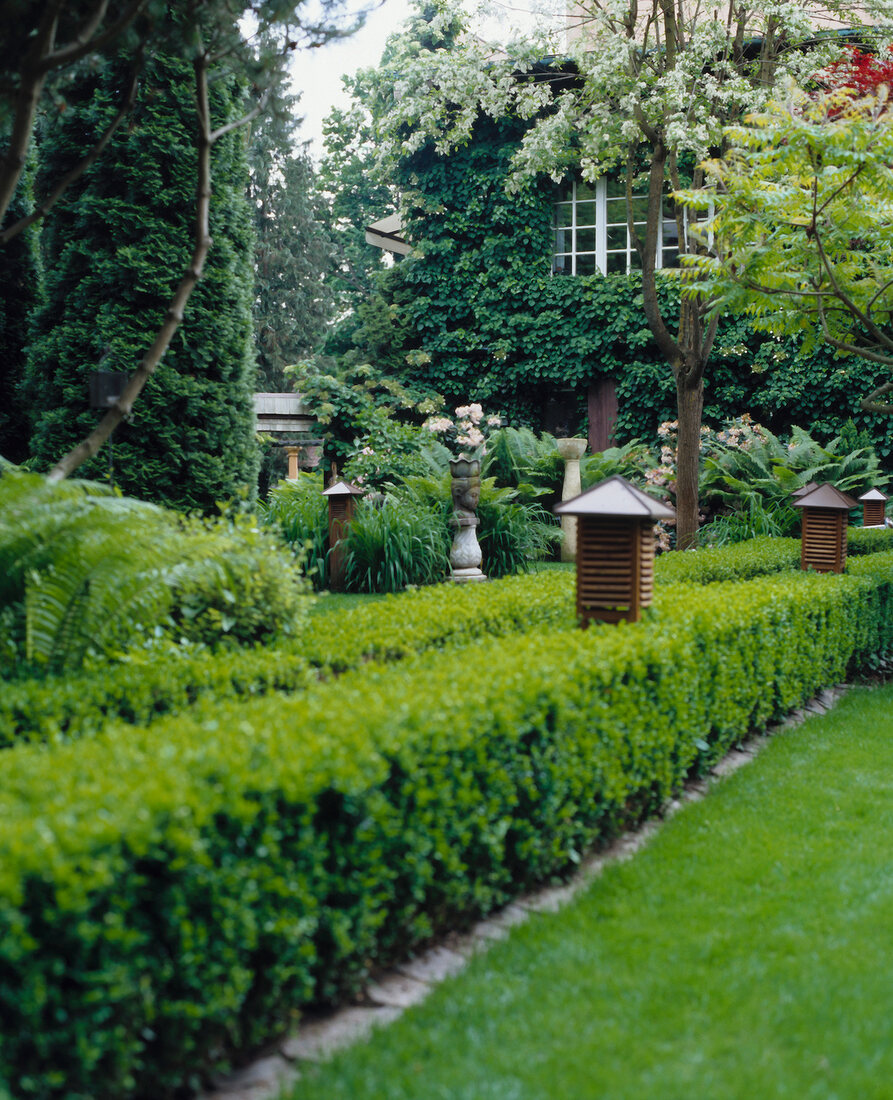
746, 952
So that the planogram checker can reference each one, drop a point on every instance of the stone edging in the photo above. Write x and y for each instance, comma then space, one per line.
410, 982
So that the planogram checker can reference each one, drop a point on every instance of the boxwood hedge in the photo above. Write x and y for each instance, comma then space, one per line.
168, 895
386, 630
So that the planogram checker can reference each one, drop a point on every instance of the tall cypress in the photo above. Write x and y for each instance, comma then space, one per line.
114, 251
19, 297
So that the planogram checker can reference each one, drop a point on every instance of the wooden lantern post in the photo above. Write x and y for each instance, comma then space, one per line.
873, 508
342, 503
823, 542
615, 550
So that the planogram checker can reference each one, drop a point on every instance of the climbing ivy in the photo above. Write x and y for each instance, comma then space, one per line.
477, 315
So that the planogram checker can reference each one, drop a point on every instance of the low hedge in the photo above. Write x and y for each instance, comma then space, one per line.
171, 894
736, 562
869, 540
61, 707
389, 629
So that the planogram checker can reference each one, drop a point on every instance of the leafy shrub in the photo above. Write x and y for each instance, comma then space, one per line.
283, 846
85, 573
300, 513
758, 557
391, 544
513, 532
523, 460
631, 461
869, 540
754, 519
141, 691
65, 707
748, 464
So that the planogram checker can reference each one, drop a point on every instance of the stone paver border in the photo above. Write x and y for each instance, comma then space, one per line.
410, 982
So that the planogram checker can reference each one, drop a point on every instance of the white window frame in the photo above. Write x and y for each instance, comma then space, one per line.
601, 252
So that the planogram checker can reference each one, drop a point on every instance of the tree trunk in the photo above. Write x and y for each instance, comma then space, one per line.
690, 405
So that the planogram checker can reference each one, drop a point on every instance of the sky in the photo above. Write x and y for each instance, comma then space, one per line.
317, 73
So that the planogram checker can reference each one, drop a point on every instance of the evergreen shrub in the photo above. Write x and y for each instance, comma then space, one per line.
86, 574
391, 629
170, 895
140, 692
114, 251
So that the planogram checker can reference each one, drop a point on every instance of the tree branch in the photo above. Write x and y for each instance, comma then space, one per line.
868, 404
65, 182
31, 81
67, 55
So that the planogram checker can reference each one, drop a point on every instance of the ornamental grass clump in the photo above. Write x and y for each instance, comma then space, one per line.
392, 544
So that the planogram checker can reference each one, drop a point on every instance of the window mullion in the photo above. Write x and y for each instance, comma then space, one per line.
601, 225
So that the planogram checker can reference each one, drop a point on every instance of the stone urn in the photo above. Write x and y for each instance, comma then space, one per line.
465, 489
571, 450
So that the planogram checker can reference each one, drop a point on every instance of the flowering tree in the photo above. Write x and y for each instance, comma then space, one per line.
645, 89
802, 218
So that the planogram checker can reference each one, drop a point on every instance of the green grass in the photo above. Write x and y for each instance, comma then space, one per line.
744, 953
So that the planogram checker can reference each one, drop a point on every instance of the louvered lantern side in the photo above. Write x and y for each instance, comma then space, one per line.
823, 540
341, 510
873, 513
615, 568
646, 563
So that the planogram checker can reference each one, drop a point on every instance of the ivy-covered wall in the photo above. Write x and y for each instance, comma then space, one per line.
485, 319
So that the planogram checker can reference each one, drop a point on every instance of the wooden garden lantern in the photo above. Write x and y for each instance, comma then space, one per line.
804, 489
873, 510
342, 503
615, 550
825, 514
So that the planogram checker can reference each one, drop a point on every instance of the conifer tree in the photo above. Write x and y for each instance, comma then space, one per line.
113, 253
20, 280
294, 254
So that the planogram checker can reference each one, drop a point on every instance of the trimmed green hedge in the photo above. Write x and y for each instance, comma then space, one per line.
736, 562
168, 895
67, 707
389, 629
869, 540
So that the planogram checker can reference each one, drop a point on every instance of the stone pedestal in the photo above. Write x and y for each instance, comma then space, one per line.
571, 450
465, 487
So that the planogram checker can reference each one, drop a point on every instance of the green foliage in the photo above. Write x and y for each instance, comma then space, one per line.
282, 847
300, 513
359, 197
753, 472
148, 686
799, 222
20, 277
88, 575
393, 543
142, 689
523, 460
294, 253
631, 461
114, 252
760, 556
754, 519
513, 532
360, 406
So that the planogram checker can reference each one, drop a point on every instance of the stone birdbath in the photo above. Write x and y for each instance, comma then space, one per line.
571, 450
465, 488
